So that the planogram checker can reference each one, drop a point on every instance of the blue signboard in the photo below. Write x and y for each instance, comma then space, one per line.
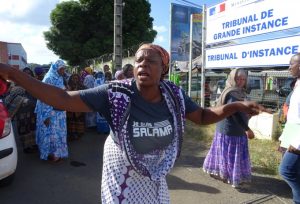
180, 31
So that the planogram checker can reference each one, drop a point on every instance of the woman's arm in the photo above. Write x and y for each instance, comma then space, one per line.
51, 95
212, 115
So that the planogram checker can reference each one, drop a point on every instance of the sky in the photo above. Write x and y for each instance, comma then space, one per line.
25, 21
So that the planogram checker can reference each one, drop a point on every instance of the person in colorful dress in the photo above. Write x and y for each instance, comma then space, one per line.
20, 105
26, 120
147, 118
75, 120
228, 158
89, 81
51, 128
102, 124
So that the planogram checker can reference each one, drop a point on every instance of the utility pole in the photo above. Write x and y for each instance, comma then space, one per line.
117, 57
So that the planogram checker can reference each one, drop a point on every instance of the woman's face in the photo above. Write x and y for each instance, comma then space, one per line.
148, 67
61, 71
240, 80
75, 79
129, 73
294, 68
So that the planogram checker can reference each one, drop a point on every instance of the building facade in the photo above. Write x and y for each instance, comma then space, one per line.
13, 54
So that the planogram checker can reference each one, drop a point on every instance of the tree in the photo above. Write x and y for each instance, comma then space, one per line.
85, 29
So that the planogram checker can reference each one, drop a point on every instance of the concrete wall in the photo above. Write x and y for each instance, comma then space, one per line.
264, 125
3, 52
17, 49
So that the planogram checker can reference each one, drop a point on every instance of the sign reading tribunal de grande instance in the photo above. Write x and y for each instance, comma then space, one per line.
257, 17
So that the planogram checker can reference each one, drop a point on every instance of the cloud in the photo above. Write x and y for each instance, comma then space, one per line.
160, 39
24, 22
160, 29
29, 11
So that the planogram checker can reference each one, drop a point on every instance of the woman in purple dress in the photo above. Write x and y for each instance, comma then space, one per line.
228, 158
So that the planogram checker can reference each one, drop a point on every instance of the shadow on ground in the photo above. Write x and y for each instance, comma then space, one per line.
188, 175
176, 183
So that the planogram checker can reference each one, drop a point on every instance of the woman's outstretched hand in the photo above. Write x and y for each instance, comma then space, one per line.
252, 108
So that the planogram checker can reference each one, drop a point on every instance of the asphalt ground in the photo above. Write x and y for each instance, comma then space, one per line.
189, 184
77, 179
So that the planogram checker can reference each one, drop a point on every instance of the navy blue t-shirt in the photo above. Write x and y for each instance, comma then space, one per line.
234, 125
150, 124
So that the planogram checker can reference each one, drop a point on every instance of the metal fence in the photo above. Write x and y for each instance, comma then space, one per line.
269, 88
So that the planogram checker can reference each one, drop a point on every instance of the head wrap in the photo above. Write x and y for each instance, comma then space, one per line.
99, 74
59, 64
89, 70
99, 78
231, 87
118, 74
52, 72
162, 52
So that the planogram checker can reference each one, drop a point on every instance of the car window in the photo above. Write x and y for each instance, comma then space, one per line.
254, 83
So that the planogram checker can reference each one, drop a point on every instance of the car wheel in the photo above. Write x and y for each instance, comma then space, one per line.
7, 181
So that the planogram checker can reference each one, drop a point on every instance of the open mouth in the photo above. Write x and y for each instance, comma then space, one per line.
143, 74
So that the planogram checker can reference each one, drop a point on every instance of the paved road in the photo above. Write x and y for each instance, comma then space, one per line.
77, 180
189, 184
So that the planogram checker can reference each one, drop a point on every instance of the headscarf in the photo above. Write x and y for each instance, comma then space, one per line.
89, 70
86, 71
99, 78
118, 74
162, 52
52, 73
231, 87
53, 78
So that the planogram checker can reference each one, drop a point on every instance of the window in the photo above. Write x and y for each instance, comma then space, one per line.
13, 57
254, 83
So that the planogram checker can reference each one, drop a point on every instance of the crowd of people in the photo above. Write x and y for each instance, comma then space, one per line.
43, 128
146, 115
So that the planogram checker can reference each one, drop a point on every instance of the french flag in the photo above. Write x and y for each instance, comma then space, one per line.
217, 9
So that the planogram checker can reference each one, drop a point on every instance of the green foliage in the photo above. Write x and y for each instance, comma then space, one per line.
85, 29
264, 155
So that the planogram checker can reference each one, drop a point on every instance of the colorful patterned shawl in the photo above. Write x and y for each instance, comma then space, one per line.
157, 163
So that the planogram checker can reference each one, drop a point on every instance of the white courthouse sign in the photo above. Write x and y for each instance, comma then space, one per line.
258, 54
227, 21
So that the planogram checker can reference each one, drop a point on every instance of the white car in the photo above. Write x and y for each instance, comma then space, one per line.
8, 148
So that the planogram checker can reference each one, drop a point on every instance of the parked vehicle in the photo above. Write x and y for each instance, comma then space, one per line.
195, 89
271, 94
285, 90
8, 148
